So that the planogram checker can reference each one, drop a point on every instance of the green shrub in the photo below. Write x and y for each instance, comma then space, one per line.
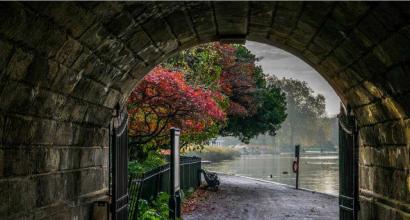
154, 160
158, 209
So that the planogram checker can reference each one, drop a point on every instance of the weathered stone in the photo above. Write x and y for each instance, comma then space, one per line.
359, 96
104, 10
348, 13
139, 41
88, 181
46, 189
150, 54
181, 26
47, 37
97, 115
66, 80
94, 36
18, 130
394, 50
89, 136
311, 57
303, 32
125, 82
91, 157
17, 161
69, 52
109, 49
50, 105
46, 159
112, 98
371, 30
14, 19
101, 72
332, 64
120, 24
83, 59
286, 16
370, 114
330, 35
348, 78
374, 90
389, 17
87, 89
319, 51
161, 34
125, 60
62, 71
76, 19
312, 16
4, 197
389, 156
26, 187
206, 28
69, 158
261, 13
296, 44
232, 19
6, 51
373, 64
19, 63
399, 79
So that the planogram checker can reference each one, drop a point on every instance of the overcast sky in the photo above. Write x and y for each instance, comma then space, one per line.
283, 64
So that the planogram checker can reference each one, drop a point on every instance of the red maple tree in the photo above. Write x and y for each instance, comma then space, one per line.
163, 100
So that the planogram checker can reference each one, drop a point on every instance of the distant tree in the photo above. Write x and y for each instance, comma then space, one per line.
303, 109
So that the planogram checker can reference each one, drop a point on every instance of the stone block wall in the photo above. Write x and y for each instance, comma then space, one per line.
65, 65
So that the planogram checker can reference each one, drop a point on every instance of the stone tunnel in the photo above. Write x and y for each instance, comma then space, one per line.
64, 66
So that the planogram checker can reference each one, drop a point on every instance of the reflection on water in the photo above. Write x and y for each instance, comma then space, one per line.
318, 172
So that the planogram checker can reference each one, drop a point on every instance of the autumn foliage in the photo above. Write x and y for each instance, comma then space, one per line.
163, 100
209, 90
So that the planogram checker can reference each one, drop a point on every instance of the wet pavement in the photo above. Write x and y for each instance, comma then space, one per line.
245, 198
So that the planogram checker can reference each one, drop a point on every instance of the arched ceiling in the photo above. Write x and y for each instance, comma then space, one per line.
96, 52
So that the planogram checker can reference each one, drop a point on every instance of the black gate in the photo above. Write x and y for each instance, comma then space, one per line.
119, 165
348, 165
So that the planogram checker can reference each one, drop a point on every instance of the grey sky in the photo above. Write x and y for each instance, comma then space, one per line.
283, 64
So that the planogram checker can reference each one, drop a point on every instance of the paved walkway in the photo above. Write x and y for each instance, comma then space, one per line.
243, 198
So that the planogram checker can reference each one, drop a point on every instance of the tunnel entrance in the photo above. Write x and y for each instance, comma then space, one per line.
64, 66
348, 138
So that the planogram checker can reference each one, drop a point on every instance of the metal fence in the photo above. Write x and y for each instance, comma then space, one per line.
157, 180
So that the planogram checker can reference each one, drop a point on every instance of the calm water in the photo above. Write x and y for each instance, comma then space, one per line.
318, 172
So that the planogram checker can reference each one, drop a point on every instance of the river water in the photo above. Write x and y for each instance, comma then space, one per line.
318, 171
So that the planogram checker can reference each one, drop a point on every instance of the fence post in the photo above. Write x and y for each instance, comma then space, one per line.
296, 165
175, 197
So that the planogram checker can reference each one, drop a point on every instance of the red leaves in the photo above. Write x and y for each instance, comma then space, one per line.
237, 82
163, 99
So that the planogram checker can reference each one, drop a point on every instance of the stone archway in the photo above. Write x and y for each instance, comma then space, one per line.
63, 67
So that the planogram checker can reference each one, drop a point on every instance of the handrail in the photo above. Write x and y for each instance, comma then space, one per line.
162, 170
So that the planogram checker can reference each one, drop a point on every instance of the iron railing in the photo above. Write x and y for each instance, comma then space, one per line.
149, 184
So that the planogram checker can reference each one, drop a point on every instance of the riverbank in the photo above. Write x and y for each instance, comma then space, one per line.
318, 172
245, 198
